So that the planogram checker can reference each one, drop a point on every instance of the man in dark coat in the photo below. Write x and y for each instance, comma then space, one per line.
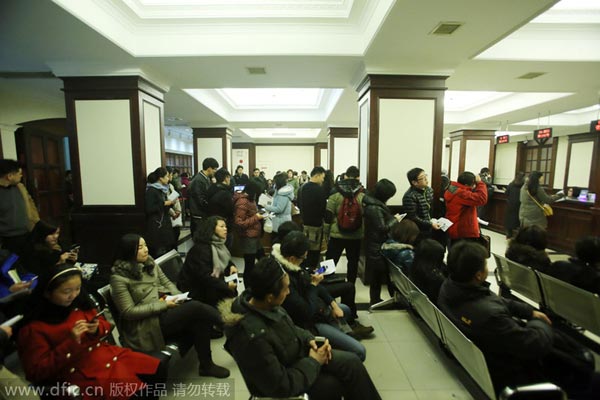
198, 190
417, 201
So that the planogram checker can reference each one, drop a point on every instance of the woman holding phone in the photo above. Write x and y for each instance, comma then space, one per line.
148, 318
47, 249
63, 341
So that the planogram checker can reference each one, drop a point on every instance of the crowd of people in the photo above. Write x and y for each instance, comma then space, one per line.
293, 329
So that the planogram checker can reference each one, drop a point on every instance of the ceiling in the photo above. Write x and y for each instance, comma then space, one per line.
204, 45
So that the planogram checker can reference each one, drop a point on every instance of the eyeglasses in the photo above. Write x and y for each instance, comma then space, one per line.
422, 177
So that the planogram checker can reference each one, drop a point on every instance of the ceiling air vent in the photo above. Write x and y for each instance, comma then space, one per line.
446, 28
531, 75
256, 70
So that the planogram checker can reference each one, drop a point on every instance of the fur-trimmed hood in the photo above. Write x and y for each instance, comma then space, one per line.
392, 245
230, 317
276, 253
132, 270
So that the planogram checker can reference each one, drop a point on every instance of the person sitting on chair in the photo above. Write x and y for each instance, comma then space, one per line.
139, 289
62, 341
276, 357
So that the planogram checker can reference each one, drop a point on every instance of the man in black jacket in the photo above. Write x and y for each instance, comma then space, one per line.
220, 201
417, 201
198, 190
517, 340
312, 202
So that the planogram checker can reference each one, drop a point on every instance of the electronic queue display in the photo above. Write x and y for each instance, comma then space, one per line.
541, 134
502, 139
595, 126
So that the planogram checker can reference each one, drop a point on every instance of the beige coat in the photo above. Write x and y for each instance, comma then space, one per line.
135, 291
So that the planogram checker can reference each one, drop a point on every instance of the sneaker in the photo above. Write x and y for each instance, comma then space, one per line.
213, 370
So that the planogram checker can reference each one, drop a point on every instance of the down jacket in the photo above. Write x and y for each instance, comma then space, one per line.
244, 216
461, 208
378, 220
282, 206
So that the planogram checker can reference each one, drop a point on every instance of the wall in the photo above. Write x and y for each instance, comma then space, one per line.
560, 166
346, 154
281, 158
505, 163
405, 140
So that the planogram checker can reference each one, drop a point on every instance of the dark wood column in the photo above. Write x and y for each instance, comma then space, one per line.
318, 161
224, 134
98, 225
371, 92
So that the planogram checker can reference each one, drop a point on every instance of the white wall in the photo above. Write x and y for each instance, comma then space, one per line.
9, 147
281, 158
346, 154
105, 155
560, 165
152, 126
477, 155
324, 158
405, 140
210, 147
240, 157
505, 164
579, 166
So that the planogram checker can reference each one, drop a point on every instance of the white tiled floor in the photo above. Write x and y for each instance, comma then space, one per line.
403, 361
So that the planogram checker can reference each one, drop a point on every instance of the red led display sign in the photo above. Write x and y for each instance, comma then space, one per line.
595, 126
502, 139
545, 133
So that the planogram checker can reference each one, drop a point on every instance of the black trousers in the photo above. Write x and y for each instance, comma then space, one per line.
378, 275
344, 375
346, 291
194, 319
336, 246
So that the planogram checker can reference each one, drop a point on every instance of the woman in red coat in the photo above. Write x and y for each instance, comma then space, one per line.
63, 342
248, 221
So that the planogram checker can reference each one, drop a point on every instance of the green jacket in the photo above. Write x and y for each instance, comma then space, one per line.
135, 291
271, 352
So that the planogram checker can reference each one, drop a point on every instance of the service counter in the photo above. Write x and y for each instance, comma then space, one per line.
572, 219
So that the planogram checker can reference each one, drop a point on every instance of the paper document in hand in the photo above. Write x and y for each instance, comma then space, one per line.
265, 200
444, 223
329, 266
14, 275
173, 195
12, 321
232, 277
399, 217
179, 298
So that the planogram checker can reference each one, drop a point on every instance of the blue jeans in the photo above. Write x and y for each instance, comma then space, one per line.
340, 340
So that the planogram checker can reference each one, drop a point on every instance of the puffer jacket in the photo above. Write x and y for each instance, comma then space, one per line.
281, 206
401, 254
461, 208
417, 205
493, 324
220, 201
270, 351
135, 289
244, 216
378, 220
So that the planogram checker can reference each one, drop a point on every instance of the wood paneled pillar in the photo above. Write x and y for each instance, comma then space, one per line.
343, 149
471, 150
115, 128
401, 121
215, 143
322, 155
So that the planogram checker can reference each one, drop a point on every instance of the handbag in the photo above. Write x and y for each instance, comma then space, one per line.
548, 211
268, 225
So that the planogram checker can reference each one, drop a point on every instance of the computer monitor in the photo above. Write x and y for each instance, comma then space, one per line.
583, 195
239, 188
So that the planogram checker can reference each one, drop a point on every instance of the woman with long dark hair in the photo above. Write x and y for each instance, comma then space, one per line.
247, 221
62, 341
428, 270
533, 197
513, 204
148, 318
159, 230
208, 263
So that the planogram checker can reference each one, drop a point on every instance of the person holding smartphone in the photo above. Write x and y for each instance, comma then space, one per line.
279, 359
47, 249
62, 340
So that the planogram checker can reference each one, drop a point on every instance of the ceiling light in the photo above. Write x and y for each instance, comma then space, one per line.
595, 107
268, 133
277, 98
456, 100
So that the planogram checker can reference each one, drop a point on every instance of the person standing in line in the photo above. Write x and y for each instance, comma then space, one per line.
220, 201
159, 229
247, 220
417, 202
462, 199
486, 178
533, 197
18, 212
282, 201
343, 237
312, 202
513, 204
262, 185
198, 189
292, 181
240, 178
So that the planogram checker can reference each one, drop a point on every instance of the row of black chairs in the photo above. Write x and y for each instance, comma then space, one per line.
462, 348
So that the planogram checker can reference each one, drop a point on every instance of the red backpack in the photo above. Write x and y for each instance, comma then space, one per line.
349, 216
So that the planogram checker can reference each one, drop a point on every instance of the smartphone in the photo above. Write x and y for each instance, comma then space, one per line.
74, 248
321, 269
33, 279
98, 315
320, 340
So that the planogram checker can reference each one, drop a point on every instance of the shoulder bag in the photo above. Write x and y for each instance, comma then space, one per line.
548, 212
